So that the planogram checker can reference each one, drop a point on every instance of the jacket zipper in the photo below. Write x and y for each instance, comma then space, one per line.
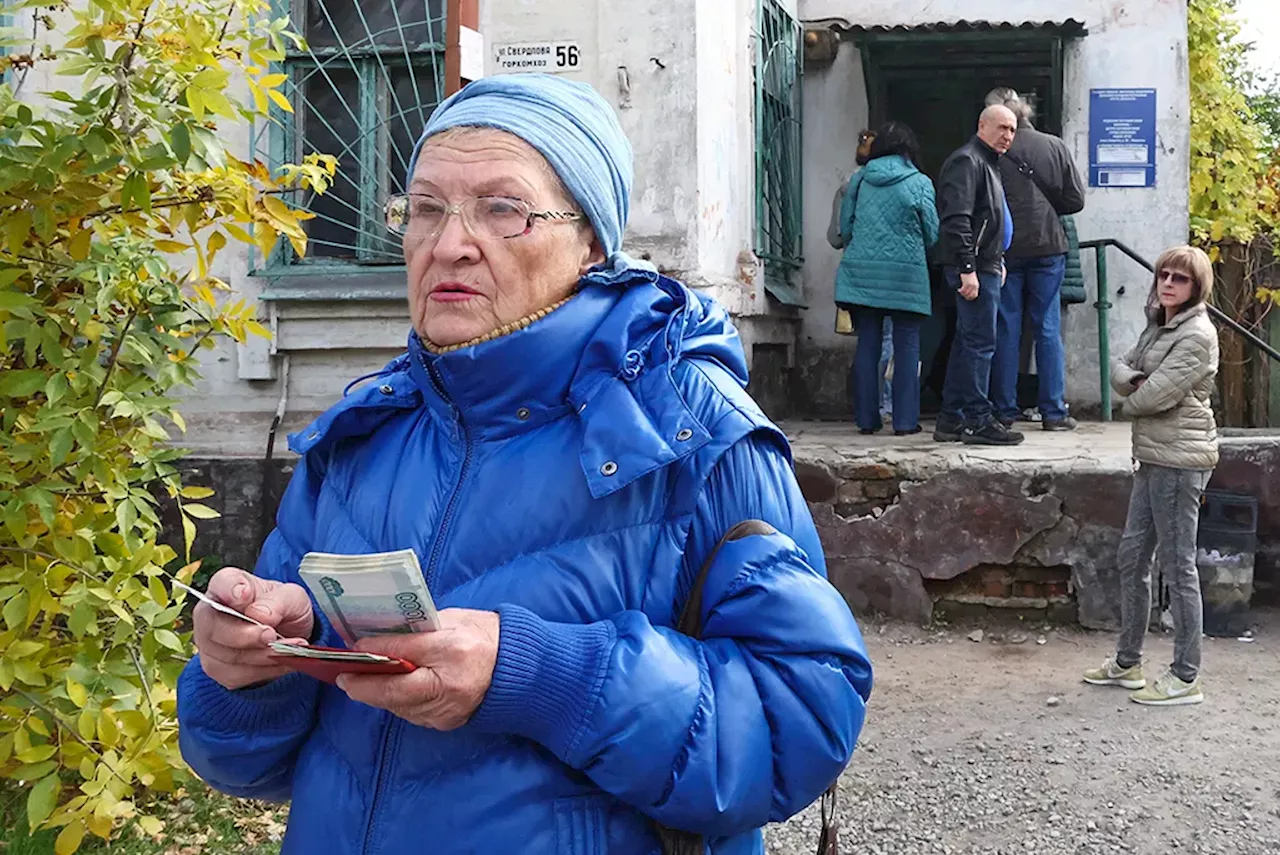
977, 244
442, 531
392, 729
380, 783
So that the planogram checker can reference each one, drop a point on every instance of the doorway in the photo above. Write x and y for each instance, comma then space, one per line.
935, 78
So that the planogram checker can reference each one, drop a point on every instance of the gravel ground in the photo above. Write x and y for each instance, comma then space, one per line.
995, 747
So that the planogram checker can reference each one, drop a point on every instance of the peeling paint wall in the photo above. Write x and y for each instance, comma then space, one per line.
896, 520
680, 77
1131, 43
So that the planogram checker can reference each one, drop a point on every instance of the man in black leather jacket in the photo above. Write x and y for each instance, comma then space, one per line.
975, 230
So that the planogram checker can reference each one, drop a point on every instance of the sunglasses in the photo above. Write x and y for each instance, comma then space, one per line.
1174, 276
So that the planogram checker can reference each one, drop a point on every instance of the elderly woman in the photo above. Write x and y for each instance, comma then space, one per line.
565, 445
1168, 377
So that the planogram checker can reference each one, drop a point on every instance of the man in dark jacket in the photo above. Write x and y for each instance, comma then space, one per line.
971, 208
1041, 184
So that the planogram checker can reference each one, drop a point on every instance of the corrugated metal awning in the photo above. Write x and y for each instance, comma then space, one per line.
1069, 28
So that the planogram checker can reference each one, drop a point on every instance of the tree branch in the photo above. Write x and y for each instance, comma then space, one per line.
142, 678
52, 559
35, 702
34, 553
75, 734
115, 355
127, 64
205, 195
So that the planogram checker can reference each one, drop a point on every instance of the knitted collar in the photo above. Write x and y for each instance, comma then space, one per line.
505, 329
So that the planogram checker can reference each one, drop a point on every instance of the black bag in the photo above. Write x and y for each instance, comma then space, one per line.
674, 841
1073, 279
844, 313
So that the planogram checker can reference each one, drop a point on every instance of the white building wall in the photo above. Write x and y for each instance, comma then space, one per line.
1130, 43
679, 76
835, 112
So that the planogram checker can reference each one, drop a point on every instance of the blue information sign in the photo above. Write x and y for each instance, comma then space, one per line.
1122, 138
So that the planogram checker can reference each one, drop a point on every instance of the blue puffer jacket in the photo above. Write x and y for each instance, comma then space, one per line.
572, 476
889, 222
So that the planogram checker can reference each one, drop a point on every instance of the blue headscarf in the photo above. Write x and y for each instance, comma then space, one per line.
570, 125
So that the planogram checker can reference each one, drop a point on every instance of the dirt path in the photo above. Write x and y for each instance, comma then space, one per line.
965, 752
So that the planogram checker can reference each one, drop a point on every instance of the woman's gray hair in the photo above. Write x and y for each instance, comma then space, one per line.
1008, 97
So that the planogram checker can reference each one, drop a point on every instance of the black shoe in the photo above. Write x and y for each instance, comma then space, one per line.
1064, 423
915, 430
1006, 421
947, 430
868, 431
992, 433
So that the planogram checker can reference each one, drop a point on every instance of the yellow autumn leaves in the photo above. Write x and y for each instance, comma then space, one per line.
118, 197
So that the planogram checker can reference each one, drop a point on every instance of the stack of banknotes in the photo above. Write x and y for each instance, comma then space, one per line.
361, 595
377, 594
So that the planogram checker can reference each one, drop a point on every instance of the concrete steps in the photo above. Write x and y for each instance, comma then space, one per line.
911, 526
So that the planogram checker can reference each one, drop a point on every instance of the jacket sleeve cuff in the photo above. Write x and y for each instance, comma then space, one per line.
546, 679
1123, 378
967, 265
284, 704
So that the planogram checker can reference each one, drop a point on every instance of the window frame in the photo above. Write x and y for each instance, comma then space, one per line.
778, 81
286, 142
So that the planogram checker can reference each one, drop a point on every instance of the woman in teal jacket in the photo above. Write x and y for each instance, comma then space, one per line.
889, 221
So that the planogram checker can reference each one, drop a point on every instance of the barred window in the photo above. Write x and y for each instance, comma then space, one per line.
362, 90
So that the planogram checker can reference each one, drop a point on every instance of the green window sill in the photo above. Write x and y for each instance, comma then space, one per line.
329, 284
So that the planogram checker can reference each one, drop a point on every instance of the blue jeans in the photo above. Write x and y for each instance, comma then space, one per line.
965, 395
1036, 285
886, 357
866, 375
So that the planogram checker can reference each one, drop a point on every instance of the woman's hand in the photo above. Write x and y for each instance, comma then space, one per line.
235, 654
455, 668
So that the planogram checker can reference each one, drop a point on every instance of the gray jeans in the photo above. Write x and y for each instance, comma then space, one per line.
1164, 512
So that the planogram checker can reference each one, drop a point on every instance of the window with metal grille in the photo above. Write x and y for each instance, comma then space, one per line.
778, 173
362, 90
6, 22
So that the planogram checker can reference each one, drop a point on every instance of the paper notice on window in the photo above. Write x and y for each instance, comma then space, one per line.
1122, 177
1122, 155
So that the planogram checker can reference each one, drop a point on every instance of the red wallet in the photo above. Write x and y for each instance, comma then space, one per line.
326, 663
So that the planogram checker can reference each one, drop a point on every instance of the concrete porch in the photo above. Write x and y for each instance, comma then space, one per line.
912, 528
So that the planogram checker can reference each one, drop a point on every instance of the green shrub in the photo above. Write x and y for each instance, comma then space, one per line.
116, 195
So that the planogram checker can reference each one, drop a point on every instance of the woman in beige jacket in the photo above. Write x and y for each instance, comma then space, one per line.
1168, 378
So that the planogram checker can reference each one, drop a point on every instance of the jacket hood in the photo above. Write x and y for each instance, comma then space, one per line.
608, 357
887, 170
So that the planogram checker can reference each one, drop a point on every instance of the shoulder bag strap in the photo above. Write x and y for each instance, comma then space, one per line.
1026, 170
675, 842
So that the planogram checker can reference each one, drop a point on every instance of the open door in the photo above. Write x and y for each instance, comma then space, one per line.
935, 79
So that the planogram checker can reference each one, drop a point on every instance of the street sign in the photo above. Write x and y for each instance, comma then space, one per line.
553, 57
1122, 138
471, 49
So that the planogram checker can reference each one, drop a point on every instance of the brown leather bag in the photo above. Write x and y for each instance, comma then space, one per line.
674, 841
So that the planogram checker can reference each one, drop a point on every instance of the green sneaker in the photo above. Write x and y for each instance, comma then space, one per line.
1169, 691
1111, 674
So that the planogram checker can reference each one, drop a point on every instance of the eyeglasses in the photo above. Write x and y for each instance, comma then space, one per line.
419, 217
1174, 276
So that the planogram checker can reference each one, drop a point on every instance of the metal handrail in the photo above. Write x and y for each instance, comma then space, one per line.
1104, 304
